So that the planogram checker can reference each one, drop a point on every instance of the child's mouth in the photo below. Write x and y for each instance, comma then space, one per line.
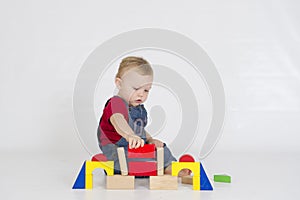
138, 101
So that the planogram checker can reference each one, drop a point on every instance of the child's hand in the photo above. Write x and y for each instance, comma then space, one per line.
135, 141
157, 143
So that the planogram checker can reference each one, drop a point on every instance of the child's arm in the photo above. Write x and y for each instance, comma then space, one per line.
150, 140
122, 127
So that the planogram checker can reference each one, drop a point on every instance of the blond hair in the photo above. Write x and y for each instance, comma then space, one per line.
140, 65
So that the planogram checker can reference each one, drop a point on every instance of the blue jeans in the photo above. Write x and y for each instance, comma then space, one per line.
110, 151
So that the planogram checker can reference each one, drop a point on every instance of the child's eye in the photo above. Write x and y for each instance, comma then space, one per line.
146, 90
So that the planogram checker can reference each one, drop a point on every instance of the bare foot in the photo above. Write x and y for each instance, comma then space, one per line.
184, 172
168, 170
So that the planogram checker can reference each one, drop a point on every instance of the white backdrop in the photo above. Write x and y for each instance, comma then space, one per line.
255, 45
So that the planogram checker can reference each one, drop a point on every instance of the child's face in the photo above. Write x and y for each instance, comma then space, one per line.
133, 87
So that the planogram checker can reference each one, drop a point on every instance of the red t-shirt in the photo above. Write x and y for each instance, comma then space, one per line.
107, 134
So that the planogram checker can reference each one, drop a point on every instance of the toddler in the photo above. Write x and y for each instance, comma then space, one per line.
124, 117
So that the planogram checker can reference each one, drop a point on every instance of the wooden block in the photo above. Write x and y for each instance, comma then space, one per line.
193, 166
160, 161
122, 161
186, 158
108, 166
165, 182
142, 168
223, 178
196, 182
187, 180
119, 182
147, 151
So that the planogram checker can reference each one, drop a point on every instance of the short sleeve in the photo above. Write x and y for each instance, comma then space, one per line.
117, 105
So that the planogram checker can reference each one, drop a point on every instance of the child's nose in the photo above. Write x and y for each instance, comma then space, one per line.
141, 93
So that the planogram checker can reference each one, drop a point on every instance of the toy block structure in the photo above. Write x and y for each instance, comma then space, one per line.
222, 178
85, 177
164, 182
160, 161
141, 162
120, 182
147, 151
122, 161
193, 166
147, 168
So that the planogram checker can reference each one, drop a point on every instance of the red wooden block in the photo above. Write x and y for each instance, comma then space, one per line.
99, 157
148, 168
147, 151
186, 158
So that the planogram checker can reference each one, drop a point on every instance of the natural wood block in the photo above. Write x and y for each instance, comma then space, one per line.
119, 182
165, 182
122, 161
160, 161
187, 180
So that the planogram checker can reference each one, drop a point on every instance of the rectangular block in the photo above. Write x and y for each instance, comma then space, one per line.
160, 161
165, 182
122, 161
187, 180
147, 151
147, 168
119, 182
223, 178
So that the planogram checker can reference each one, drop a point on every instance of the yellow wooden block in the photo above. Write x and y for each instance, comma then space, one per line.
196, 182
119, 182
193, 166
88, 181
164, 182
108, 166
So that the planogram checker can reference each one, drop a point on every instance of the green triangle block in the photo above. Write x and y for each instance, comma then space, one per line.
204, 181
80, 180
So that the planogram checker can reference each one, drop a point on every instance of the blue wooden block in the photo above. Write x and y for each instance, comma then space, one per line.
80, 180
204, 181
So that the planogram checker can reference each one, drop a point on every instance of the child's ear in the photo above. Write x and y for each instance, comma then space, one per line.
118, 82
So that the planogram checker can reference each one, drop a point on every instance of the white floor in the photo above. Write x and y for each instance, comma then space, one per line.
49, 176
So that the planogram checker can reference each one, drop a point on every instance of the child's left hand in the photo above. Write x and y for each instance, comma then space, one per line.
157, 143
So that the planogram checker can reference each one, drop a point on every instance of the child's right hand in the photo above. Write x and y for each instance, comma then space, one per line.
135, 141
